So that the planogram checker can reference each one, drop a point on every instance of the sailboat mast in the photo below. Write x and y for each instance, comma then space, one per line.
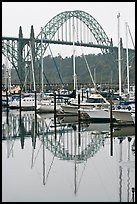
127, 58
41, 61
119, 53
74, 69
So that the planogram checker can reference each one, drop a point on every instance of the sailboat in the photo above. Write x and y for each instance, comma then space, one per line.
124, 111
46, 104
95, 106
26, 101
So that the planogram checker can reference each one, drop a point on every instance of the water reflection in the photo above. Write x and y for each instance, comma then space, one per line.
126, 171
64, 141
66, 145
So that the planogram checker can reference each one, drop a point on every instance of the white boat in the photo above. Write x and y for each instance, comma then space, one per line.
125, 111
46, 103
27, 103
133, 117
123, 115
47, 106
97, 114
95, 101
4, 99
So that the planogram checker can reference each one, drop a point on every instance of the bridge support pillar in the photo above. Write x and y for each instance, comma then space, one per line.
32, 50
20, 57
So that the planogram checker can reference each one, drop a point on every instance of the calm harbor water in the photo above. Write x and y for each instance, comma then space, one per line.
40, 164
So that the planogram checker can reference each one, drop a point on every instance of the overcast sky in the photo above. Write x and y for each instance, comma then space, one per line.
25, 14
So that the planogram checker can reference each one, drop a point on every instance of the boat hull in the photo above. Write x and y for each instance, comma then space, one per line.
98, 115
47, 108
123, 116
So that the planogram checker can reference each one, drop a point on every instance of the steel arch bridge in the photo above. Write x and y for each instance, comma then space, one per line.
59, 30
52, 27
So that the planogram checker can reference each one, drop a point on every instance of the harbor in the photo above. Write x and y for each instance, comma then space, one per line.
64, 164
68, 102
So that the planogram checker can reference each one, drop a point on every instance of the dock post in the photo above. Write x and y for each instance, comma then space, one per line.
111, 128
133, 190
82, 94
20, 99
55, 115
35, 101
7, 101
87, 94
35, 112
7, 105
79, 139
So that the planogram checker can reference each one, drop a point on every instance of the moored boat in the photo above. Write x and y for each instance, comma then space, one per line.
123, 116
26, 103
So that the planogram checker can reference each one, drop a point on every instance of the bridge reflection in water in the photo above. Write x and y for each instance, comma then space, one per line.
64, 142
67, 137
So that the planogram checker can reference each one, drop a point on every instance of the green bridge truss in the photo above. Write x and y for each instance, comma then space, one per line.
17, 50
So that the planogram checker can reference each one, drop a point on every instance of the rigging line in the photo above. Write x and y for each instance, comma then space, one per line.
36, 155
46, 78
21, 83
32, 157
89, 71
86, 63
48, 127
81, 175
131, 37
33, 143
25, 79
34, 160
52, 160
88, 67
56, 67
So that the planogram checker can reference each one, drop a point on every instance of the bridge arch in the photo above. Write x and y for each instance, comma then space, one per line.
56, 22
17, 50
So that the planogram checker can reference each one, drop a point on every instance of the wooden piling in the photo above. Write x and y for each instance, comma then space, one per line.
7, 105
111, 128
55, 115
79, 138
35, 112
133, 191
20, 99
87, 94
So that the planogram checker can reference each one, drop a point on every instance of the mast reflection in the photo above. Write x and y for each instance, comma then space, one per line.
126, 171
66, 145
